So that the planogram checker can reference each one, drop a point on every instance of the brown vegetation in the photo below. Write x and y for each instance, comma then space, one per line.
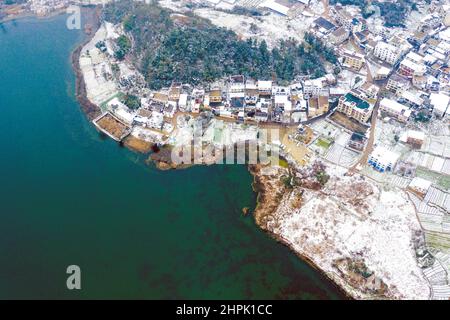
137, 144
112, 126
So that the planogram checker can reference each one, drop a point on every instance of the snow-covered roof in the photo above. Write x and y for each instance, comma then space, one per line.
439, 101
420, 184
413, 65
264, 84
277, 7
384, 156
183, 99
445, 35
383, 71
414, 134
414, 98
414, 57
393, 106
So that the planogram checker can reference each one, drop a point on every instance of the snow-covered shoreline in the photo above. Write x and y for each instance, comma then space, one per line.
367, 249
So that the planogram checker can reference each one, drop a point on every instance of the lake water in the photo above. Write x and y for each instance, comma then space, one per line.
69, 196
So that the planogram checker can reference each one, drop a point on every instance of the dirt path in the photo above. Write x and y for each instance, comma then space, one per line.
361, 51
369, 147
326, 13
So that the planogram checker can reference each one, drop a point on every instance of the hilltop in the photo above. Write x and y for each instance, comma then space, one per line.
183, 47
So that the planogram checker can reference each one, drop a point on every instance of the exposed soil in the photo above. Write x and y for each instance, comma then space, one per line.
137, 144
270, 190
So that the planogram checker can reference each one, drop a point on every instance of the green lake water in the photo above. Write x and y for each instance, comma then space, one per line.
69, 196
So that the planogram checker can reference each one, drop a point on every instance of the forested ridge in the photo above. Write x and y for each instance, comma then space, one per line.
187, 48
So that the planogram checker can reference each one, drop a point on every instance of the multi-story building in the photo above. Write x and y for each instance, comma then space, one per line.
215, 96
265, 88
353, 60
397, 84
412, 65
236, 87
355, 107
387, 52
347, 20
315, 87
395, 109
174, 91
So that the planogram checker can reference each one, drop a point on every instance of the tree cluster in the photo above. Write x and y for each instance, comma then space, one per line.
190, 49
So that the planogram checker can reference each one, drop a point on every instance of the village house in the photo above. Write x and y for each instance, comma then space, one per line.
263, 105
338, 36
236, 87
281, 7
282, 98
265, 88
121, 111
419, 82
414, 138
418, 38
261, 116
183, 102
161, 97
412, 65
368, 91
382, 159
174, 91
397, 84
361, 38
214, 97
352, 60
395, 109
322, 27
357, 141
169, 110
419, 186
382, 73
251, 92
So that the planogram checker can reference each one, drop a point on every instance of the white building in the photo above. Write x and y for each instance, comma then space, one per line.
236, 90
121, 111
277, 6
182, 102
265, 88
395, 109
440, 103
412, 65
313, 87
382, 159
387, 52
